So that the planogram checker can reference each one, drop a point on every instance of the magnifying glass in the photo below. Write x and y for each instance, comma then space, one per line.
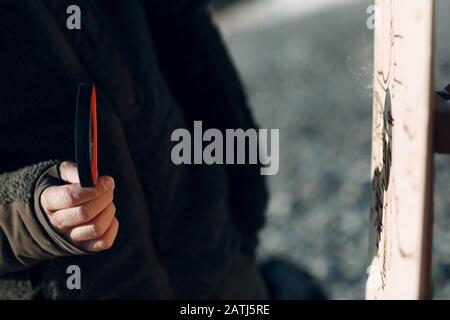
86, 152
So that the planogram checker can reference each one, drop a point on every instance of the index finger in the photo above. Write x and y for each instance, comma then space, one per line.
69, 172
66, 196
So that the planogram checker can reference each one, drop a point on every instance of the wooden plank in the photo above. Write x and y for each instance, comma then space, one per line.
401, 211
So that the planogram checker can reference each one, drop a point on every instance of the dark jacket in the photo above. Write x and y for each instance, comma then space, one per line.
158, 65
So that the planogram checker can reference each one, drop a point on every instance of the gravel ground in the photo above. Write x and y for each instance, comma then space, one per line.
310, 76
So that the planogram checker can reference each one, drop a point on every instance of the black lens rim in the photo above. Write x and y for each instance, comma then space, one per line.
83, 143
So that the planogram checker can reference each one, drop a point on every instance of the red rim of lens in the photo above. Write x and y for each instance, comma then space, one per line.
94, 159
86, 139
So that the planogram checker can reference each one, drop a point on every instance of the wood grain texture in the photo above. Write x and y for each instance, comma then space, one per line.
401, 172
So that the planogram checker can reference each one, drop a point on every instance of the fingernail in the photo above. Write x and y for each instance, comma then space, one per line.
109, 183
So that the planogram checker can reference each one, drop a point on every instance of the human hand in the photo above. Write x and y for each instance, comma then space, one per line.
83, 216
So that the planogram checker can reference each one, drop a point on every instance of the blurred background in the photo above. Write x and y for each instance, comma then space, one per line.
307, 69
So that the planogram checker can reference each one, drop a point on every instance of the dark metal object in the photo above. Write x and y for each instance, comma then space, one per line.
86, 135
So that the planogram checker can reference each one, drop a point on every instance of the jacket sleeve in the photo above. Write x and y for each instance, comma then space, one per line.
203, 79
25, 235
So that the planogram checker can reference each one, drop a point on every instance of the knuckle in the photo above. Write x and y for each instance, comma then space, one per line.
106, 242
84, 213
93, 192
68, 197
56, 222
95, 231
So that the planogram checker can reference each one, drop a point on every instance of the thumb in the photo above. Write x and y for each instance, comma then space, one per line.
69, 172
